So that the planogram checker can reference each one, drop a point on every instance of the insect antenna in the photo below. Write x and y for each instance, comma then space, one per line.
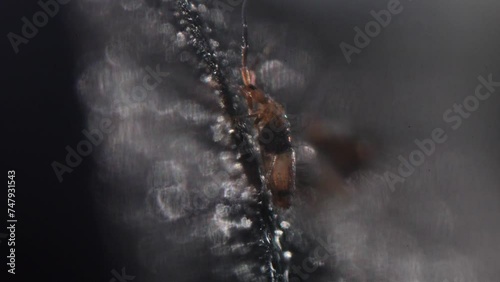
244, 36
247, 76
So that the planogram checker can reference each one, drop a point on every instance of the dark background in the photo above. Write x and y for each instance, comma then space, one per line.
57, 238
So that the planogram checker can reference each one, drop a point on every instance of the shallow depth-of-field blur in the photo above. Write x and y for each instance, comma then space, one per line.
170, 187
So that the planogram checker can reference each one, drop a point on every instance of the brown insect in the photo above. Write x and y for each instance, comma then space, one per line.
274, 131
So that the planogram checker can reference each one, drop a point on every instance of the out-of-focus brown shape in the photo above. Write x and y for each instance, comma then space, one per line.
339, 155
345, 153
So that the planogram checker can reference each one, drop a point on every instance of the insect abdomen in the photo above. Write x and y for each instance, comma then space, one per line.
281, 180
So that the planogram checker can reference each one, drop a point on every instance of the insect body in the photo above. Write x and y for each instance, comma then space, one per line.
274, 132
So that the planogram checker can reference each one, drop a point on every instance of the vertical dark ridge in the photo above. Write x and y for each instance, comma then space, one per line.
190, 22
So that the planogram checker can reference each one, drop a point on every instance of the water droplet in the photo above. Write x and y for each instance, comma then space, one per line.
202, 8
285, 224
180, 39
131, 5
214, 44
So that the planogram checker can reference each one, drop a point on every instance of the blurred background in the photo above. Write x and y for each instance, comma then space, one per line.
162, 196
